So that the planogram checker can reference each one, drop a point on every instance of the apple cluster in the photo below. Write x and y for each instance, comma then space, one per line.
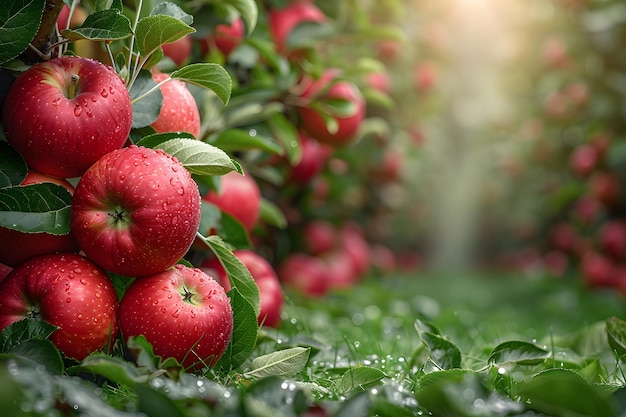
134, 214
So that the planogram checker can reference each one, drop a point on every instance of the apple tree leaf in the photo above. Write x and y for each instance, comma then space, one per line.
156, 30
616, 333
146, 110
245, 329
171, 9
443, 353
286, 363
155, 139
272, 215
199, 157
519, 352
213, 220
114, 369
238, 275
13, 168
231, 140
249, 12
36, 208
23, 330
38, 352
359, 379
19, 23
103, 25
287, 134
208, 75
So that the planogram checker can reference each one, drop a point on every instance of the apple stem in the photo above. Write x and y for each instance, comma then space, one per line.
71, 91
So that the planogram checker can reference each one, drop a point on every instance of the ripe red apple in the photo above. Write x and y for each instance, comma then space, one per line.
354, 243
379, 80
238, 195
179, 112
283, 21
225, 37
327, 89
136, 211
341, 271
270, 290
179, 51
555, 53
16, 247
314, 155
612, 237
584, 159
425, 76
383, 259
68, 291
305, 274
319, 237
183, 312
62, 115
598, 270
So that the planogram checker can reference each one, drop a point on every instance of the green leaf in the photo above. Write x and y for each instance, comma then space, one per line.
155, 139
104, 25
249, 12
13, 168
19, 21
245, 330
207, 75
215, 221
272, 215
238, 274
24, 330
285, 363
145, 110
171, 9
563, 393
231, 140
519, 352
39, 352
286, 133
198, 157
143, 352
359, 379
156, 30
112, 368
36, 208
155, 403
443, 353
616, 333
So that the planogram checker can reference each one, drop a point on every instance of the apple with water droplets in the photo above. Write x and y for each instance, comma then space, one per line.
183, 312
62, 115
68, 291
179, 111
135, 211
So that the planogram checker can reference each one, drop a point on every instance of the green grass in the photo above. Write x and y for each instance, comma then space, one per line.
459, 345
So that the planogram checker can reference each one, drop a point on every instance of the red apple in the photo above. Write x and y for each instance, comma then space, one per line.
314, 155
612, 237
380, 81
179, 51
179, 112
383, 259
425, 76
270, 290
283, 21
584, 159
305, 274
327, 89
183, 312
341, 271
68, 291
598, 270
238, 195
16, 247
354, 243
555, 53
319, 237
62, 115
4, 271
136, 211
605, 187
225, 37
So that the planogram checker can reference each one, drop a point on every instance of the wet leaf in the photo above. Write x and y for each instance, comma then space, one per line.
13, 168
198, 157
285, 363
519, 352
245, 329
102, 25
20, 22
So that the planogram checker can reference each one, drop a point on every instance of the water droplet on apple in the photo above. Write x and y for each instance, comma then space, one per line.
79, 317
83, 281
104, 93
176, 313
94, 99
111, 90
56, 101
68, 300
117, 129
169, 296
155, 302
174, 221
78, 110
